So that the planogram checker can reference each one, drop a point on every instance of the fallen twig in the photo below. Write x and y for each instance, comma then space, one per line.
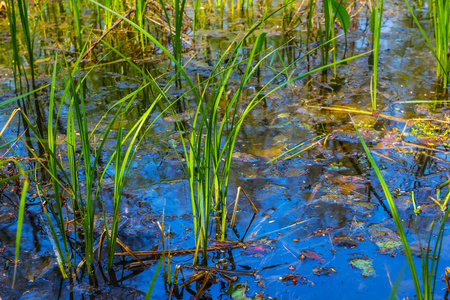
179, 252
127, 14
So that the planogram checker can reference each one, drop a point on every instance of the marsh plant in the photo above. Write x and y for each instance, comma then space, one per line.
332, 11
73, 202
441, 21
440, 10
76, 185
209, 141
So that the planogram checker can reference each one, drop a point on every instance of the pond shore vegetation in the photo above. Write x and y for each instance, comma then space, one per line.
73, 175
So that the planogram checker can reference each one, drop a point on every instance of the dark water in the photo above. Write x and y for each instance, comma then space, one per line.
323, 230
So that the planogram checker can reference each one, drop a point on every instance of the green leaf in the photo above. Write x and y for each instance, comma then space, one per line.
155, 275
341, 14
372, 21
23, 197
260, 42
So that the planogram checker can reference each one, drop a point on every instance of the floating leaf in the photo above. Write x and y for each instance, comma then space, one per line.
364, 264
294, 278
304, 254
384, 237
323, 270
345, 241
237, 292
255, 251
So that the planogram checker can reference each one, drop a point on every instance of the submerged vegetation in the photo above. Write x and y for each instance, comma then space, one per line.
188, 97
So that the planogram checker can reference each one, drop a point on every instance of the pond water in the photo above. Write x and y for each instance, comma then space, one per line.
323, 229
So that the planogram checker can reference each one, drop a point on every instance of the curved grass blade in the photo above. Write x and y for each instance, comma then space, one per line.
155, 275
397, 219
23, 197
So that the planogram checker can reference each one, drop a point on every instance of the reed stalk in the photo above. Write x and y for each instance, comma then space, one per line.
442, 32
332, 10
141, 6
77, 20
176, 32
77, 186
16, 60
375, 25
22, 6
440, 10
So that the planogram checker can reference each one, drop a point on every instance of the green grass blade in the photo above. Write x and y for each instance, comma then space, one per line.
23, 197
11, 100
397, 219
155, 275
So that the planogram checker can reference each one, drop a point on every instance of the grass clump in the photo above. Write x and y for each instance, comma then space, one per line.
75, 196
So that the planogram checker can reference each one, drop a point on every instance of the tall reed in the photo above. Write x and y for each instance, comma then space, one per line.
16, 60
175, 30
440, 10
76, 187
288, 6
22, 6
310, 15
209, 144
212, 139
107, 16
76, 18
332, 10
328, 33
141, 6
441, 22
18, 12
375, 26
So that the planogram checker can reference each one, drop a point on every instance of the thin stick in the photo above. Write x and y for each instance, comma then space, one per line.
233, 218
163, 243
127, 14
217, 270
179, 252
100, 245
131, 252
289, 226
331, 243
205, 281
315, 189
359, 111
255, 210
423, 147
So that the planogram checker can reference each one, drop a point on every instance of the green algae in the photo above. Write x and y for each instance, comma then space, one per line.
364, 264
